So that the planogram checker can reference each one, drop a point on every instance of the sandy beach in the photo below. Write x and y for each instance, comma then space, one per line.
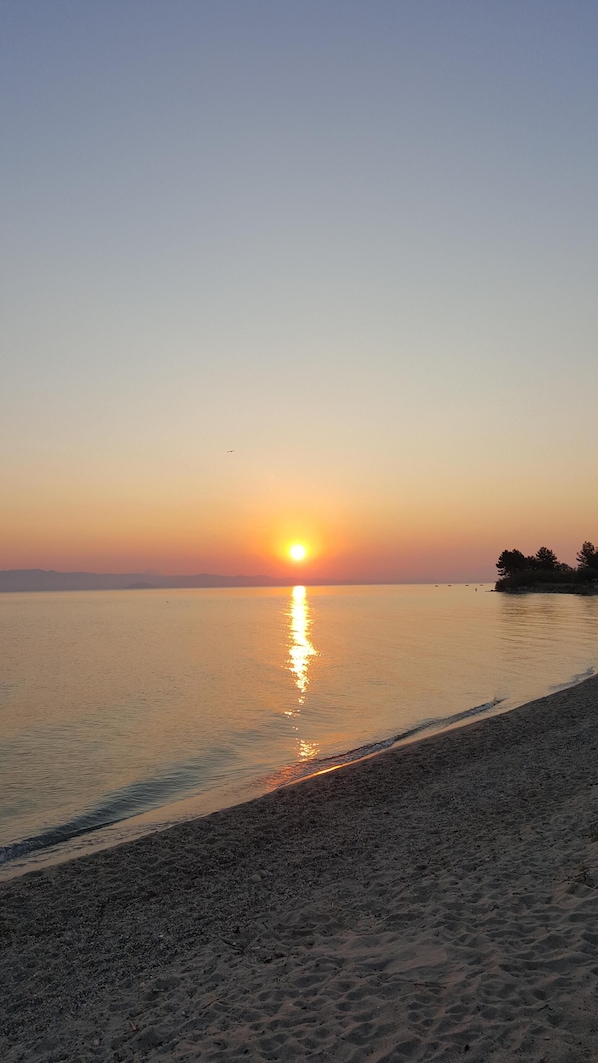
436, 902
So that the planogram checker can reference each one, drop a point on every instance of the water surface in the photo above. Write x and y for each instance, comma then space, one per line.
141, 708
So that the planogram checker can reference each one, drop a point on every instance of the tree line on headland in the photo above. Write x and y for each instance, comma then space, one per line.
544, 571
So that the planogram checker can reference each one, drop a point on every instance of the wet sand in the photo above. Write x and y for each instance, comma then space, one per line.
436, 902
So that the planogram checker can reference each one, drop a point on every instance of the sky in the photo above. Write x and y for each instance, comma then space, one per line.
285, 271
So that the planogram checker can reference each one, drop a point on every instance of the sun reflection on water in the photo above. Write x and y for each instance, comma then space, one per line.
308, 750
301, 651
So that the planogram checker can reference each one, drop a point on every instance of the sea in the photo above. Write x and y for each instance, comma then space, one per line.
123, 712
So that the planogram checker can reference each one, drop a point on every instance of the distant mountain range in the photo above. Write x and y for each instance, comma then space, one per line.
39, 579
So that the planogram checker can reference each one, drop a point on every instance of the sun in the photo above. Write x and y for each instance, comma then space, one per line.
297, 551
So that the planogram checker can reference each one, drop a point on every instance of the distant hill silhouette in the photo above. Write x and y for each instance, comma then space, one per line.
39, 579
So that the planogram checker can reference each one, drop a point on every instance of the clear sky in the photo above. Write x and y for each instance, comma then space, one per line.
307, 271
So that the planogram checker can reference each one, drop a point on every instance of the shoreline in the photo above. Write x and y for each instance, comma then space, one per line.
581, 590
439, 894
29, 855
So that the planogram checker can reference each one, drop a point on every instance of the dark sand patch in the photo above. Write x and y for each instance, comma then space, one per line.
436, 902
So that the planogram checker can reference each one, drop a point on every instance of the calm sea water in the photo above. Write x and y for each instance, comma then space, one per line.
137, 709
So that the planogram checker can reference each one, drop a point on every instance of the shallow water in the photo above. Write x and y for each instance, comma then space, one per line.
141, 708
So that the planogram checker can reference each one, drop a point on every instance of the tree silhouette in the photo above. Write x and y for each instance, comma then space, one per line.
588, 556
510, 562
544, 571
546, 560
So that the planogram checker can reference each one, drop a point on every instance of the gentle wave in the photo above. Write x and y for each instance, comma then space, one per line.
339, 759
143, 796
575, 679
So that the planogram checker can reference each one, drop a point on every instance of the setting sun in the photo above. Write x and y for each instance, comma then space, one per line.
297, 551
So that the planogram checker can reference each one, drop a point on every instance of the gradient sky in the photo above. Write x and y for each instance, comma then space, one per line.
353, 243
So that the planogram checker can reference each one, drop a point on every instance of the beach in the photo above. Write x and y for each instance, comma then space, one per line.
438, 901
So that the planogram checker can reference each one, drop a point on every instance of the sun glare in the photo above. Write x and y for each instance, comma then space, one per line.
297, 551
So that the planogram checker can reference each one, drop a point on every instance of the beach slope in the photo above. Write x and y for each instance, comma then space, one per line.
436, 902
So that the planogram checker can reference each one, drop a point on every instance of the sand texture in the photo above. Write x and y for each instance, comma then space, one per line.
436, 902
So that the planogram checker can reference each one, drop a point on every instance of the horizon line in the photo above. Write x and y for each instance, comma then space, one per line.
39, 579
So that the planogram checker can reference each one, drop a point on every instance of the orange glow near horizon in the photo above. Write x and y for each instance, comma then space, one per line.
416, 540
426, 531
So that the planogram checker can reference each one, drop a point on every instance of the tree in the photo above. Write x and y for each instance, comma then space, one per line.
588, 556
510, 562
546, 560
